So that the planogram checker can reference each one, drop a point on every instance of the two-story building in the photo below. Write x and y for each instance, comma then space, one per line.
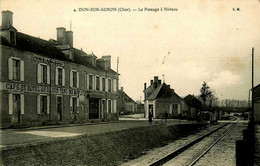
49, 82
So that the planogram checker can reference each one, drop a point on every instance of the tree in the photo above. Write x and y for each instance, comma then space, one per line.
206, 93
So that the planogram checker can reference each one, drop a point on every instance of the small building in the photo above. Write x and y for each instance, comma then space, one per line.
160, 98
194, 105
256, 101
126, 105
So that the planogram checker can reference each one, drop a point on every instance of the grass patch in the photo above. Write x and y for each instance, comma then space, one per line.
102, 149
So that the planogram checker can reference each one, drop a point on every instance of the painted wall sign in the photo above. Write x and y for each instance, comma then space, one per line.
42, 89
49, 60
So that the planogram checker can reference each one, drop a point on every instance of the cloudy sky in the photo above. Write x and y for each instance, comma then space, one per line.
204, 40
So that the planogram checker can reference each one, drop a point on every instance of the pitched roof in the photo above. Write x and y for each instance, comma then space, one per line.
49, 49
256, 92
163, 92
125, 97
192, 101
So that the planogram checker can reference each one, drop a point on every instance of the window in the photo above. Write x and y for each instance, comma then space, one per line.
74, 104
74, 79
43, 73
103, 84
97, 83
109, 85
60, 76
109, 105
43, 104
16, 104
16, 69
90, 82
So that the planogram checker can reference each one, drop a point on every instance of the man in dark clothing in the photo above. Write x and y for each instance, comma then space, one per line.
150, 117
166, 116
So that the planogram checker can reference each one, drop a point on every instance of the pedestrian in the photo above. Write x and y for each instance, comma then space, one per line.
166, 116
150, 117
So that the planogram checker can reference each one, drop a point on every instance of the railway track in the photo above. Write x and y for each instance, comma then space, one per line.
187, 148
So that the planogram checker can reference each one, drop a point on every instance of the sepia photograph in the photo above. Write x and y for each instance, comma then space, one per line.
130, 83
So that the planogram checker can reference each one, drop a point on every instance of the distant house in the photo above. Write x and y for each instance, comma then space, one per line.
256, 101
194, 105
159, 98
125, 103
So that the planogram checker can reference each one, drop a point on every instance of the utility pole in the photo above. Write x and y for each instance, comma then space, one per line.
252, 117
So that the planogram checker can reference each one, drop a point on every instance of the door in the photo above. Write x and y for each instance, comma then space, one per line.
16, 118
59, 107
150, 110
93, 108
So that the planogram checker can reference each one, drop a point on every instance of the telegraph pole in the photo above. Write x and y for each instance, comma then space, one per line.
252, 117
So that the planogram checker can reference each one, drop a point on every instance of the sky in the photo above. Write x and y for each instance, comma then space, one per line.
204, 40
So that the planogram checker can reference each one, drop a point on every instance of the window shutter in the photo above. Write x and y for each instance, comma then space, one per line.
39, 73
87, 81
10, 103
48, 74
56, 76
77, 79
22, 70
71, 79
63, 77
115, 106
48, 104
106, 84
39, 104
10, 68
22, 104
71, 102
77, 102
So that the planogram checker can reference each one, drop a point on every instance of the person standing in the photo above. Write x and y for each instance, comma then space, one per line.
166, 116
150, 117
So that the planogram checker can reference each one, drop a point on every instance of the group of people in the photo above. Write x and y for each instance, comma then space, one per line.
150, 116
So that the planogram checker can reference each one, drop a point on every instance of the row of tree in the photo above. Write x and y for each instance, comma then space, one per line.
210, 100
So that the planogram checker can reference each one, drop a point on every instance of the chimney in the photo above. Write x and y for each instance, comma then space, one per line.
144, 86
61, 36
151, 82
108, 58
159, 82
69, 38
155, 82
122, 88
7, 18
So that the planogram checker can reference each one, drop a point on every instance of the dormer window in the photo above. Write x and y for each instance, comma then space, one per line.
12, 37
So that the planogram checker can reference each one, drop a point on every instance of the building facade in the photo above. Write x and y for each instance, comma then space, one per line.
160, 98
194, 105
49, 82
126, 104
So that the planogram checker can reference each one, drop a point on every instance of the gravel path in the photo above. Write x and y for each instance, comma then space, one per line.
157, 153
224, 152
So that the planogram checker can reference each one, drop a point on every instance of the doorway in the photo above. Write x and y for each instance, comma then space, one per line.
59, 107
93, 108
16, 118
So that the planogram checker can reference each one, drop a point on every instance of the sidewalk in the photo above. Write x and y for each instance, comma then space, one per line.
16, 137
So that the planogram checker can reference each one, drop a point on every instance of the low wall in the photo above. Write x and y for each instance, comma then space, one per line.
102, 149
